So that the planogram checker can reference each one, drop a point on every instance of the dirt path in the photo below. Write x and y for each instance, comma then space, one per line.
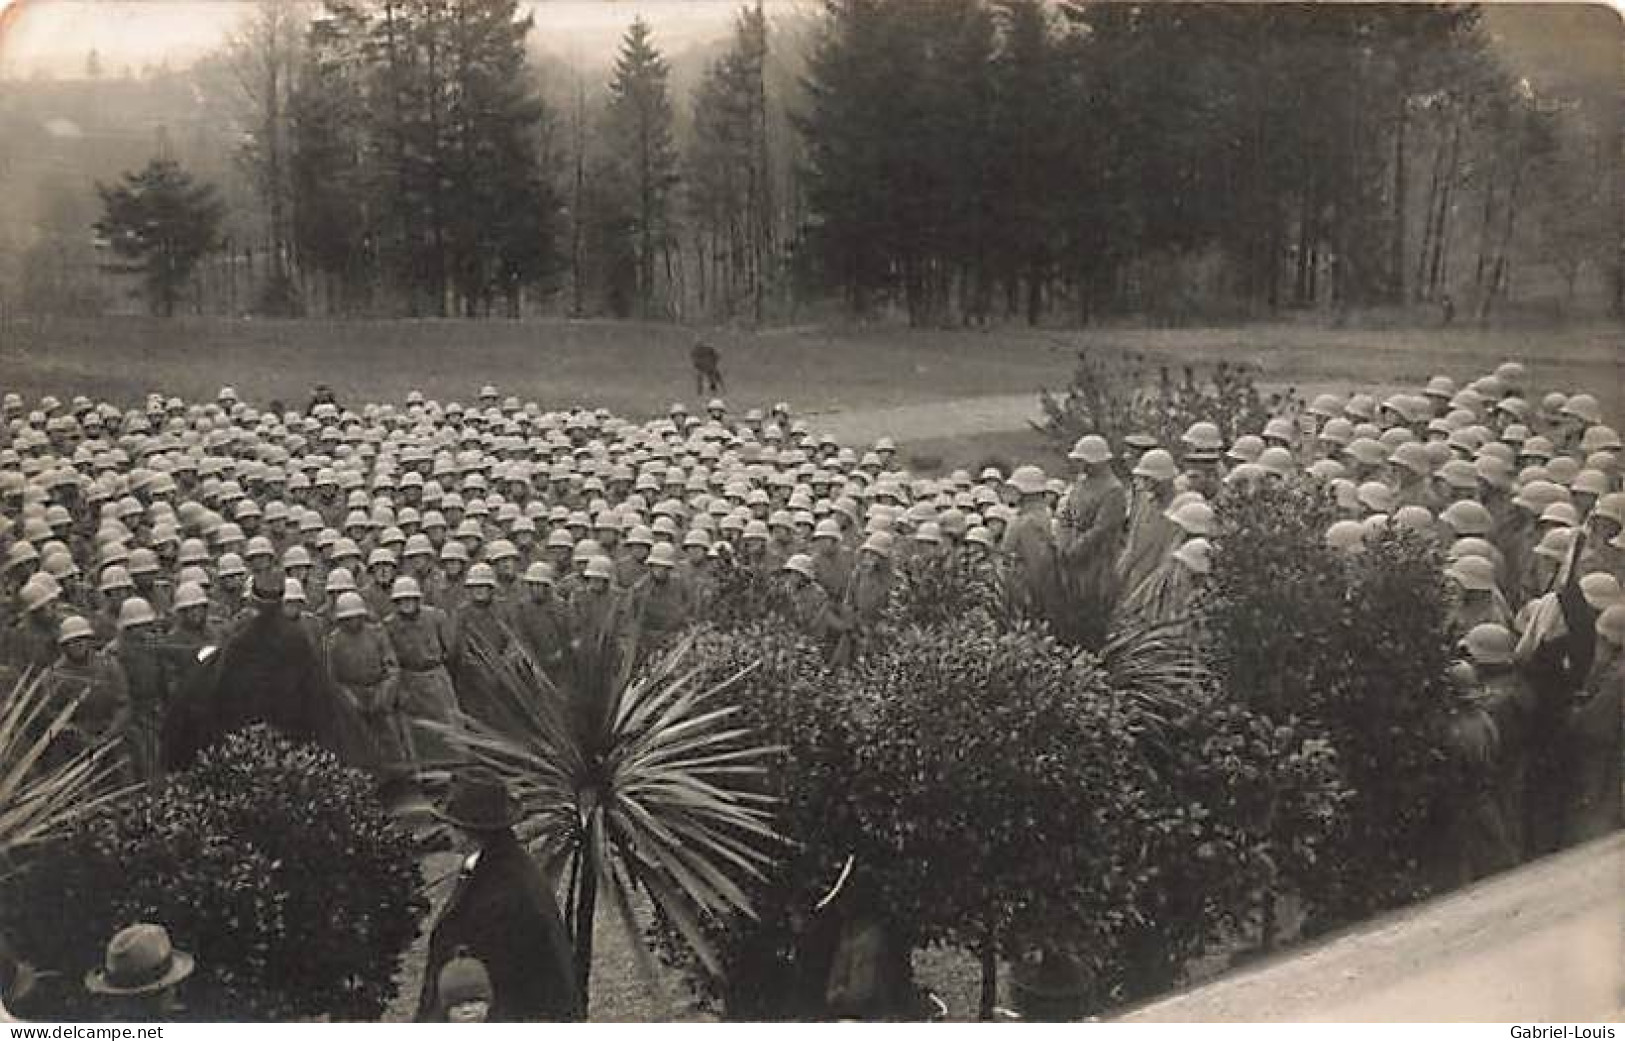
986, 414
1542, 943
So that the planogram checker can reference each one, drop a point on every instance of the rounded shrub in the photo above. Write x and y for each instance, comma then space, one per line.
268, 860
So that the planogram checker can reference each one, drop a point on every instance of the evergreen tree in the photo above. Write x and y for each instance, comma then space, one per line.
162, 223
729, 174
640, 145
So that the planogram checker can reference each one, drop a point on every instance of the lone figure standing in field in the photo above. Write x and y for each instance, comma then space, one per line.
707, 368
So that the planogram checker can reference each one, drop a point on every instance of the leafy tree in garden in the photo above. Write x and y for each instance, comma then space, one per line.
998, 781
268, 860
162, 223
640, 143
1365, 660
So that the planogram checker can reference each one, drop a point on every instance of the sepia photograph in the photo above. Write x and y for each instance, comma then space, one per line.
811, 511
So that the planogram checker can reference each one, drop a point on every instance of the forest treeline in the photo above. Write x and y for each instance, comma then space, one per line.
949, 161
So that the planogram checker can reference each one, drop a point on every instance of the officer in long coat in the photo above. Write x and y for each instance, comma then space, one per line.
362, 665
1089, 527
422, 639
1151, 534
502, 912
265, 672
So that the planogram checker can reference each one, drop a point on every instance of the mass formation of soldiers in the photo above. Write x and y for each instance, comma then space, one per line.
407, 544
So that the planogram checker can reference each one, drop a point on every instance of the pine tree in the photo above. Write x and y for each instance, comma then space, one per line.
162, 223
729, 174
640, 145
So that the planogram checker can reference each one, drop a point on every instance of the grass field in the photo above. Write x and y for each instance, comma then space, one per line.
637, 368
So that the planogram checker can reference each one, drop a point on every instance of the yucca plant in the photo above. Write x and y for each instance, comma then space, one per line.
41, 793
633, 779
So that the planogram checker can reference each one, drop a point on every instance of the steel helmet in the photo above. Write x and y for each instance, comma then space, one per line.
1376, 496
1583, 407
349, 605
559, 538
1196, 554
1555, 544
1346, 535
1029, 480
1611, 624
980, 535
1468, 517
1611, 506
1276, 460
801, 564
1156, 464
1537, 447
1441, 387
405, 588
1415, 518
339, 580
74, 628
640, 535
1193, 518
1246, 449
454, 550
600, 567
500, 549
1600, 589
1473, 572
59, 565
1337, 430
481, 574
755, 529
190, 594
135, 611
1367, 451
539, 573
1413, 457
297, 556
664, 554
1203, 436
293, 591
1590, 482
586, 549
1325, 406
1493, 470
1600, 438
1562, 470
1091, 448
1560, 513
20, 553
1459, 475
878, 543
115, 576
1490, 644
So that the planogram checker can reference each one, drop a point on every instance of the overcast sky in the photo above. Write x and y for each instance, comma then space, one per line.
56, 35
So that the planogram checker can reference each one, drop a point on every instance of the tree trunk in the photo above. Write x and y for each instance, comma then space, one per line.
1396, 244
989, 954
586, 909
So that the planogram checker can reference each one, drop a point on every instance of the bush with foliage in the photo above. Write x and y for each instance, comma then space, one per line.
793, 701
1115, 395
1243, 813
997, 781
1364, 659
268, 860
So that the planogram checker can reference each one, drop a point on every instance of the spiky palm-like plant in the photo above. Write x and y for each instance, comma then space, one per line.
633, 779
41, 796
